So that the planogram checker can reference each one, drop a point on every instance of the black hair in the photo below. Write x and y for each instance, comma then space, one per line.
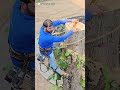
47, 23
25, 1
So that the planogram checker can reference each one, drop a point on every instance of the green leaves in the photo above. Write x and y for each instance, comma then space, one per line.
58, 77
106, 77
7, 29
57, 53
61, 27
79, 62
115, 84
62, 64
55, 87
54, 76
82, 83
62, 57
51, 76
67, 53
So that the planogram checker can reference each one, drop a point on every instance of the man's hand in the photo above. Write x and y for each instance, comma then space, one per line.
75, 29
74, 20
64, 73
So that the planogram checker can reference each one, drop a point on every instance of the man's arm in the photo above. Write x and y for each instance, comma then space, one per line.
61, 38
62, 21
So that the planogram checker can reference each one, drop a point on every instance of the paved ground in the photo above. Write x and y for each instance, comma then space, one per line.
5, 10
41, 82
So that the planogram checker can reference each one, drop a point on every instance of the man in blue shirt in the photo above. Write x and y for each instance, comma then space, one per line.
46, 41
22, 33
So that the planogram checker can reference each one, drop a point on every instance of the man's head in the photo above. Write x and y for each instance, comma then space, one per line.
28, 6
48, 25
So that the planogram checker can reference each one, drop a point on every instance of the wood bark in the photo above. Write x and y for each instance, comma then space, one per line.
102, 41
73, 83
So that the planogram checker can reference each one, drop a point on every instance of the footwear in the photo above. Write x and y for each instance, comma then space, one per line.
64, 73
41, 59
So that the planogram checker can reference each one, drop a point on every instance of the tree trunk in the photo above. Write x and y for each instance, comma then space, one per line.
73, 83
102, 39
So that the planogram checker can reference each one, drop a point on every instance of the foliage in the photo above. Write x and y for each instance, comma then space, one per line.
106, 77
52, 76
61, 27
82, 83
67, 53
62, 64
61, 55
55, 87
115, 85
80, 61
7, 29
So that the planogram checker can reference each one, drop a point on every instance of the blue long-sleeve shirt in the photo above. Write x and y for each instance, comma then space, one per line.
46, 39
22, 30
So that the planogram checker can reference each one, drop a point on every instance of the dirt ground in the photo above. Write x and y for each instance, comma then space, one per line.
40, 82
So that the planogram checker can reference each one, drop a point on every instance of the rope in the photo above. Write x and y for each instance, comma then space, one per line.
116, 29
46, 67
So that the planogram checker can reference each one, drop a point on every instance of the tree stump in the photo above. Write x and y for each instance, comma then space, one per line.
76, 46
